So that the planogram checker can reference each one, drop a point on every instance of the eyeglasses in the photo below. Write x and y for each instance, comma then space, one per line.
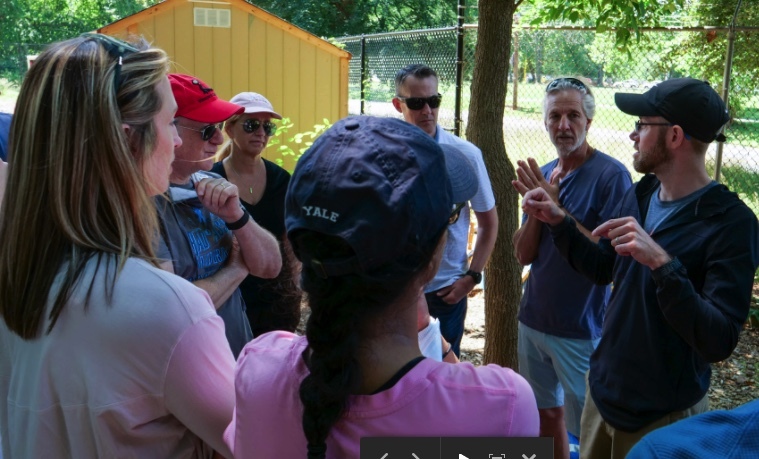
206, 132
456, 213
251, 125
640, 123
418, 103
574, 82
115, 48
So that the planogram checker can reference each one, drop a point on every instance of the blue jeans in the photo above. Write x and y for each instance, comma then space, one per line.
451, 318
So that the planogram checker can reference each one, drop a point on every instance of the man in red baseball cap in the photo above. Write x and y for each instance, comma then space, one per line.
207, 237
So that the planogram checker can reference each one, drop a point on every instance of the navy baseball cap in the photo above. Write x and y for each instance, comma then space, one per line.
461, 174
689, 103
380, 184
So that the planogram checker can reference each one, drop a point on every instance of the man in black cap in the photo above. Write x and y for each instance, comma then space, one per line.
682, 252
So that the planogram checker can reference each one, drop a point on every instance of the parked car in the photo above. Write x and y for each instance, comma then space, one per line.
627, 84
649, 84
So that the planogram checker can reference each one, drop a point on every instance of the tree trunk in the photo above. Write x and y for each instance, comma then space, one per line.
485, 129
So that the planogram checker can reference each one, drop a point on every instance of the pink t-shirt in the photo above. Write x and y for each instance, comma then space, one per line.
145, 372
434, 399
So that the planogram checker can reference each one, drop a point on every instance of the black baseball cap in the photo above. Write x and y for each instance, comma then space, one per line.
689, 103
380, 184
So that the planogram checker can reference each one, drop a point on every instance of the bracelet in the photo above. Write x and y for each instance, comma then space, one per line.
445, 354
236, 225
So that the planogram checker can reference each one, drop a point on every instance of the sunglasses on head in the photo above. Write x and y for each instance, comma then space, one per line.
251, 125
572, 81
418, 103
456, 213
206, 132
115, 48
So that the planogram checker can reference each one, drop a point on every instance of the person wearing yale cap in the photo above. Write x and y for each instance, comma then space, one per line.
271, 304
367, 211
207, 236
682, 251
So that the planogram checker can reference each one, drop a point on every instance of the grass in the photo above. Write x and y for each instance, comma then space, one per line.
743, 131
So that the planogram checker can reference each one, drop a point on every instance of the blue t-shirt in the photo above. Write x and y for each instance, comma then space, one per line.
659, 210
5, 127
557, 299
198, 244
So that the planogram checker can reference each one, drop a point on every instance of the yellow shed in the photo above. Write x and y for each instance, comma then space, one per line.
235, 46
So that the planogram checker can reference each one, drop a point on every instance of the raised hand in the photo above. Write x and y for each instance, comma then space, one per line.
538, 203
531, 177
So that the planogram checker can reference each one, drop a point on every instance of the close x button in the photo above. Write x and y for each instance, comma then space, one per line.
456, 448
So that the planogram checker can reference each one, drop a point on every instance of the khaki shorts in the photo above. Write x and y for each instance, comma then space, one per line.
599, 440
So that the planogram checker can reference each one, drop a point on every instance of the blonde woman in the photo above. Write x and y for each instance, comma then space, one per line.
102, 354
272, 304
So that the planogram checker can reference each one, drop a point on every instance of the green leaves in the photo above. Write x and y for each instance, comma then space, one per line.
303, 140
29, 25
335, 18
625, 16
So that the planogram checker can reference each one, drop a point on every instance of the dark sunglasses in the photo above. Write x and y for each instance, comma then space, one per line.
572, 81
115, 48
456, 213
206, 132
418, 103
251, 125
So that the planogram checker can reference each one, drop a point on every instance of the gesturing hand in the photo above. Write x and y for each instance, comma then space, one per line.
531, 177
629, 239
539, 204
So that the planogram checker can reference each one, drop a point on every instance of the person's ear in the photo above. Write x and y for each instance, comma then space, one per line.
128, 135
397, 104
677, 137
587, 127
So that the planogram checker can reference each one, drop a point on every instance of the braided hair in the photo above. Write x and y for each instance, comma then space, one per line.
341, 307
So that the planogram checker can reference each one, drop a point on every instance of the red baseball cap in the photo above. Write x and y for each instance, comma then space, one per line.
198, 102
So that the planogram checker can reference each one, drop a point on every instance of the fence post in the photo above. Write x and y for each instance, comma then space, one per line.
726, 85
515, 65
459, 68
363, 73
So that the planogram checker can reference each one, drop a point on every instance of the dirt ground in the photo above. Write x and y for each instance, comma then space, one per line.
735, 381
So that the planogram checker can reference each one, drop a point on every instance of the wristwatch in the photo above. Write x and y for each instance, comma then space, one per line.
474, 275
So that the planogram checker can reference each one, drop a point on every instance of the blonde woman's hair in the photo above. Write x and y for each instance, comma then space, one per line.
78, 190
226, 149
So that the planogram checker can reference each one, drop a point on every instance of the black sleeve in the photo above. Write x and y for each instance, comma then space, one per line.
594, 261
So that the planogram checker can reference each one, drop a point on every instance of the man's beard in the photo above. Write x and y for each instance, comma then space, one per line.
658, 155
565, 150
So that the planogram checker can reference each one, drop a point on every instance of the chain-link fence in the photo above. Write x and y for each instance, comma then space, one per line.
542, 54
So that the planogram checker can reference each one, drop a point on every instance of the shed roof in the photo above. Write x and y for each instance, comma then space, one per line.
242, 5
